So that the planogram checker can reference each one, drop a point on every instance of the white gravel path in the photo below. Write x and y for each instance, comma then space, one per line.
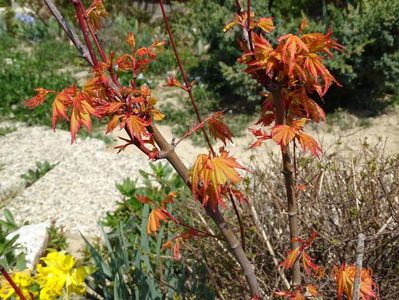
77, 192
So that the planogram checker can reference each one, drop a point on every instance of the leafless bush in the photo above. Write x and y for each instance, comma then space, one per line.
340, 196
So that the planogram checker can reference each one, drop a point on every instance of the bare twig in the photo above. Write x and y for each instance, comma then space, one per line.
358, 265
73, 37
188, 86
268, 245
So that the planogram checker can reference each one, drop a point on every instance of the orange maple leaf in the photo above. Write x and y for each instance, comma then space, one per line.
345, 276
300, 101
156, 215
308, 264
38, 99
136, 126
316, 69
266, 24
290, 47
209, 175
283, 134
95, 13
318, 42
80, 115
291, 258
61, 102
219, 129
309, 143
131, 40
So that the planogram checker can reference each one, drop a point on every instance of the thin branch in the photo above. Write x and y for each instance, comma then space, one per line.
98, 45
288, 172
83, 25
184, 75
242, 233
70, 32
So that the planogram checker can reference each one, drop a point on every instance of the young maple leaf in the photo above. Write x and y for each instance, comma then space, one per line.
240, 19
219, 129
81, 114
290, 47
291, 258
265, 56
95, 13
345, 277
309, 143
316, 69
283, 134
136, 126
156, 215
266, 24
113, 122
209, 175
59, 110
308, 264
318, 42
61, 102
38, 99
93, 87
302, 105
131, 40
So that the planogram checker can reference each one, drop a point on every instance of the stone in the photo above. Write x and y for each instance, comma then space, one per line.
33, 240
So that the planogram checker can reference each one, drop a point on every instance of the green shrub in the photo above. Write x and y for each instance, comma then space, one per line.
26, 66
368, 68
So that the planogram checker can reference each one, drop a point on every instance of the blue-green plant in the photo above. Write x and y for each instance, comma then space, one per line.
132, 265
34, 175
8, 257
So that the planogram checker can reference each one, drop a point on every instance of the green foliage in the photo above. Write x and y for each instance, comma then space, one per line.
4, 3
8, 259
57, 240
10, 22
157, 184
34, 175
131, 265
6, 130
26, 66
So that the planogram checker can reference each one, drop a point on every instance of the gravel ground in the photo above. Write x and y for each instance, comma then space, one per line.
77, 192
81, 188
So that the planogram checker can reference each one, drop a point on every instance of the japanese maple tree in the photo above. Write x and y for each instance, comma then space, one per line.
292, 70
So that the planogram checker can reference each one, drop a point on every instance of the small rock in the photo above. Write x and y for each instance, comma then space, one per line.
33, 239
